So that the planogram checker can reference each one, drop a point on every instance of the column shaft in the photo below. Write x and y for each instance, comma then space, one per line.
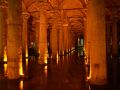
37, 23
3, 30
25, 35
65, 28
115, 53
14, 39
54, 40
61, 41
43, 39
96, 41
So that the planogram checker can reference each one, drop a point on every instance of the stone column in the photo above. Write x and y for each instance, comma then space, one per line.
54, 39
14, 38
3, 29
43, 39
61, 40
37, 23
115, 52
70, 41
65, 28
96, 39
25, 16
109, 50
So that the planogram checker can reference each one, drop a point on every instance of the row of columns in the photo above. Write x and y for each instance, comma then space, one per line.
17, 37
95, 39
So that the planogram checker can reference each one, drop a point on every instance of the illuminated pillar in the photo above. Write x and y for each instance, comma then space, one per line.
37, 23
25, 35
65, 28
61, 40
54, 40
70, 41
96, 39
14, 38
43, 39
3, 29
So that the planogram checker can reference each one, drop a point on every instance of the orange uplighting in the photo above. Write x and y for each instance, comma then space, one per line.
89, 76
26, 52
45, 59
20, 67
26, 61
57, 58
45, 70
5, 54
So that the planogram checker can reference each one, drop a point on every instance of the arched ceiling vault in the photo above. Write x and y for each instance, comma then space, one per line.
73, 10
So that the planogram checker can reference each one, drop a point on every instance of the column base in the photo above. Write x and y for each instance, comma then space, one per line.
98, 82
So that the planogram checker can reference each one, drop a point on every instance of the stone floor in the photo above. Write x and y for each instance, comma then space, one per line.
66, 73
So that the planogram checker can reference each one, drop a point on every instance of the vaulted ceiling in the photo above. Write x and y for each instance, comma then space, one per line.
73, 10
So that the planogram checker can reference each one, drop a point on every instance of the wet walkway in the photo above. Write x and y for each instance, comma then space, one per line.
66, 73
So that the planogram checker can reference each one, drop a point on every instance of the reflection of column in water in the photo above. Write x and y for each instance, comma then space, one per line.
57, 58
45, 58
26, 67
5, 69
26, 63
21, 85
45, 70
89, 87
26, 51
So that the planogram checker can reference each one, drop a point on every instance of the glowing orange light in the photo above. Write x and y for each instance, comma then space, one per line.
26, 63
20, 69
45, 59
5, 54
45, 70
89, 76
26, 52
5, 69
63, 53
21, 85
57, 58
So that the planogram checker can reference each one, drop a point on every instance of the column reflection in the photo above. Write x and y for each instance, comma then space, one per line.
21, 85
46, 71
5, 69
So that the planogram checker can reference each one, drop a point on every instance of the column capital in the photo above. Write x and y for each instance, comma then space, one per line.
3, 4
25, 15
